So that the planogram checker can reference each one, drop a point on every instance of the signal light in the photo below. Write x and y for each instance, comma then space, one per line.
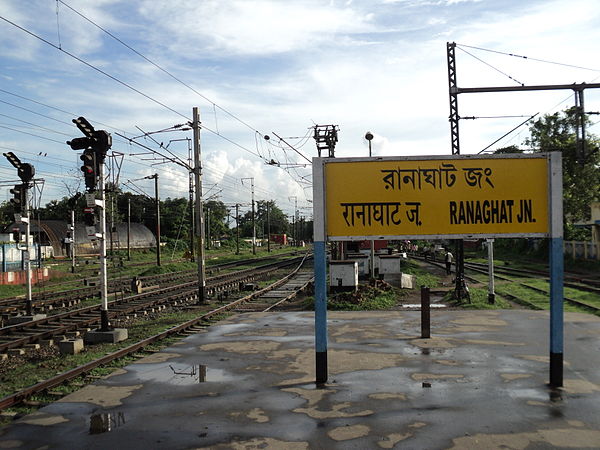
19, 193
26, 172
89, 218
16, 232
81, 143
89, 169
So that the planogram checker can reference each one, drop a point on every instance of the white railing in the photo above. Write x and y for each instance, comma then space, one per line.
582, 249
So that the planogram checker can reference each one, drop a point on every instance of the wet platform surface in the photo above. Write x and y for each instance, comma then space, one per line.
479, 382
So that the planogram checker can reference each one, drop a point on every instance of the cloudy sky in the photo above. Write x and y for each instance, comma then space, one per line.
276, 67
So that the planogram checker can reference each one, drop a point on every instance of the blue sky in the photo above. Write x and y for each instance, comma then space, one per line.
278, 66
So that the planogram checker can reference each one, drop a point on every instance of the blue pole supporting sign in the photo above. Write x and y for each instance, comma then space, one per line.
320, 268
556, 269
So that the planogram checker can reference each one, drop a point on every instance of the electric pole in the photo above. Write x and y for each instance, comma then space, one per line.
128, 228
253, 215
157, 207
268, 229
199, 212
237, 228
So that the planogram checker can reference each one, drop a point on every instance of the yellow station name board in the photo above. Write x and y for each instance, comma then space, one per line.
446, 196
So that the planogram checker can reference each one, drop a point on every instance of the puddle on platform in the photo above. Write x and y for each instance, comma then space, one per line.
528, 394
101, 423
182, 375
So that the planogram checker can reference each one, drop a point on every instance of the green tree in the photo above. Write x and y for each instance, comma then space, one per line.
581, 179
509, 149
215, 219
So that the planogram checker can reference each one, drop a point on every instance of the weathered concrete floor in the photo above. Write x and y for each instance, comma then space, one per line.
487, 373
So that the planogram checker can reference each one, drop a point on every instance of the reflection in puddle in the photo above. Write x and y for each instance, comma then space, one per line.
555, 395
196, 373
101, 423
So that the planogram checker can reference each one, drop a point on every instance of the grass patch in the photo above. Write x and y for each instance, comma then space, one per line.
423, 278
479, 300
366, 298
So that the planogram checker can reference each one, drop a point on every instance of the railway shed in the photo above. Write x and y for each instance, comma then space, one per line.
55, 234
248, 382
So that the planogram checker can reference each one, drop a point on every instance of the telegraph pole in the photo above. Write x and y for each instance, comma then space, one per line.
191, 202
157, 207
208, 241
128, 228
253, 215
199, 212
268, 229
237, 228
295, 219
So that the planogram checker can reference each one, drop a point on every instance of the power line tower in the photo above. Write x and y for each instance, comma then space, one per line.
326, 137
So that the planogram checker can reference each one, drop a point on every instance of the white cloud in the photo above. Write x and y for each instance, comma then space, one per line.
257, 27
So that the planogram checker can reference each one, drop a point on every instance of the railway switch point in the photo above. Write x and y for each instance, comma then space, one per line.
70, 346
111, 336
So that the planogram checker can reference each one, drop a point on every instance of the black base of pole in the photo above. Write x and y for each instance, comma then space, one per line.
491, 299
556, 369
104, 326
202, 297
28, 308
321, 367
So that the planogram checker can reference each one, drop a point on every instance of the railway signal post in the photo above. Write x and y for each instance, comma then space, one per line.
95, 145
20, 199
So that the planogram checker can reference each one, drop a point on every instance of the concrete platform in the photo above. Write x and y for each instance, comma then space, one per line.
479, 383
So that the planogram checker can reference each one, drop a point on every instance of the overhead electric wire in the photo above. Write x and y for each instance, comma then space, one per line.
528, 58
164, 71
506, 134
72, 114
492, 67
33, 124
129, 87
91, 66
31, 134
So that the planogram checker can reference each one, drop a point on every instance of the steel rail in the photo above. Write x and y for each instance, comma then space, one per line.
116, 285
475, 268
74, 320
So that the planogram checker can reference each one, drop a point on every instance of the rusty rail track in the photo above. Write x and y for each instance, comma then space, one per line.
48, 300
38, 331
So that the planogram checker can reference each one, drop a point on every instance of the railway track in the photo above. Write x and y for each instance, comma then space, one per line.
498, 271
19, 336
571, 280
50, 300
188, 327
